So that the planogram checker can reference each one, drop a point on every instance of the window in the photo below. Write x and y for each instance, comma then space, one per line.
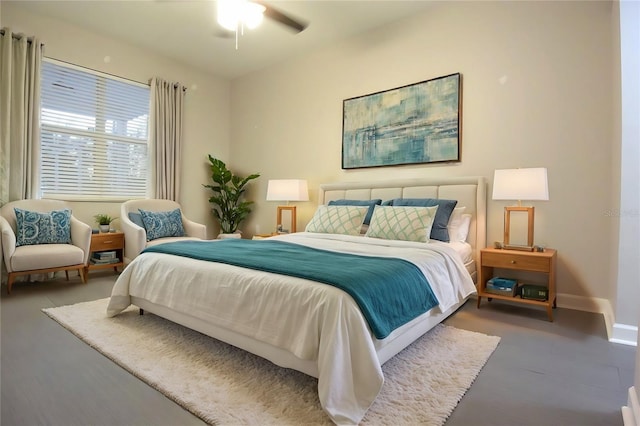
94, 135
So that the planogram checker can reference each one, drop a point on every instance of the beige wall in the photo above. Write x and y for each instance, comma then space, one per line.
206, 126
537, 92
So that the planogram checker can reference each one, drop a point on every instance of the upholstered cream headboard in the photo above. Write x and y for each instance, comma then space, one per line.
471, 192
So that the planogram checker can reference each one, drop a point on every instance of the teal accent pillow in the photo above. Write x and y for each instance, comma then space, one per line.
162, 224
439, 229
136, 218
52, 227
405, 223
369, 203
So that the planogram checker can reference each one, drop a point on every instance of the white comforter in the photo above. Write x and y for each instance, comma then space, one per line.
313, 321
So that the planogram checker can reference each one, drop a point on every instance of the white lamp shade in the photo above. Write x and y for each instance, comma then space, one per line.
287, 190
521, 184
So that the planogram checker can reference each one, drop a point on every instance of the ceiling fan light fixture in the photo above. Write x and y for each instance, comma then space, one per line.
235, 13
253, 14
228, 14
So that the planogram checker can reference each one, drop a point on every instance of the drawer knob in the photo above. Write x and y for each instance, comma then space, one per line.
109, 242
513, 262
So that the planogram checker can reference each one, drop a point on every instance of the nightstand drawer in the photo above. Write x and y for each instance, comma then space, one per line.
516, 261
110, 241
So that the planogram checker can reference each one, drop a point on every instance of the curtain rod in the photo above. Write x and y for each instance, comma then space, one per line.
184, 88
99, 71
19, 37
30, 40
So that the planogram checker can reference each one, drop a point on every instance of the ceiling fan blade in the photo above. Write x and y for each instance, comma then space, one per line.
286, 20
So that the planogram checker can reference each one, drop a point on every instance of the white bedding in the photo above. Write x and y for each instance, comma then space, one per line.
312, 321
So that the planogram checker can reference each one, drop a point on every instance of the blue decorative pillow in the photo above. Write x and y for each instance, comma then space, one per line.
136, 218
52, 227
162, 224
370, 203
439, 229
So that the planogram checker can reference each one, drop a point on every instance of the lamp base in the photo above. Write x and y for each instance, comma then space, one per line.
292, 212
517, 247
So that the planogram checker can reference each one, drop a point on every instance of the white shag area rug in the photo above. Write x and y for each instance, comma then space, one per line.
224, 385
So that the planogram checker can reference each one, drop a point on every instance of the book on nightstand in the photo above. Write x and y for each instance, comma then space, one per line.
104, 255
502, 286
534, 292
95, 261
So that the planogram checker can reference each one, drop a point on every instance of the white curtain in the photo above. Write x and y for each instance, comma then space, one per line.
20, 68
167, 105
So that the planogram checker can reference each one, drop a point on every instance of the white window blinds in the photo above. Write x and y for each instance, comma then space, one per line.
94, 135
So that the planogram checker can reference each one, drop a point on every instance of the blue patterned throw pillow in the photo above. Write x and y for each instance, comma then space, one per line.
162, 224
52, 227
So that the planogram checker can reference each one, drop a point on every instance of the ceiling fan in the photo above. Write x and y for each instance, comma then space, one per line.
234, 15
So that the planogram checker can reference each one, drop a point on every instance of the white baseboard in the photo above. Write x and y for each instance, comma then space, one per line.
631, 413
625, 334
616, 333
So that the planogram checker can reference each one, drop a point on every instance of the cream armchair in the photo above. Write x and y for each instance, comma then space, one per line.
135, 236
42, 258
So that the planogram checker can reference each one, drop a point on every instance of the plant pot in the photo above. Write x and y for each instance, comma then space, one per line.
104, 228
225, 236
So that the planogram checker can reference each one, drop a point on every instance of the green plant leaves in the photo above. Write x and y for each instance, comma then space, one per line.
227, 188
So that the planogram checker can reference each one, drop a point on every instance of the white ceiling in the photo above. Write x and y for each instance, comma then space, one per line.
185, 30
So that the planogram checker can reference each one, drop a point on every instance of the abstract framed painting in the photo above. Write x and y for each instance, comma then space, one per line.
413, 124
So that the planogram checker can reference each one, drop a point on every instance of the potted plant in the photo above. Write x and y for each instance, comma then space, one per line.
228, 206
104, 220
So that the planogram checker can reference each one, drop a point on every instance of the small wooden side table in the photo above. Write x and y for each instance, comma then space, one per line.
515, 260
106, 241
263, 236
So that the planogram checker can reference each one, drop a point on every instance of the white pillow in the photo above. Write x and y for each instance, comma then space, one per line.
454, 222
345, 220
405, 223
455, 218
459, 231
463, 231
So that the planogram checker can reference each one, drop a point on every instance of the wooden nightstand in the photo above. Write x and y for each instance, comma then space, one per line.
108, 241
519, 261
263, 236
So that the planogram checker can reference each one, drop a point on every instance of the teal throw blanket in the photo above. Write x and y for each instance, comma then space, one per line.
390, 292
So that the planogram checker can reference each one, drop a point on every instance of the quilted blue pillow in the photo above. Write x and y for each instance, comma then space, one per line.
370, 203
162, 224
52, 227
439, 229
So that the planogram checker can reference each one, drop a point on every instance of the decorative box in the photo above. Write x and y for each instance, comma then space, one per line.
534, 292
502, 286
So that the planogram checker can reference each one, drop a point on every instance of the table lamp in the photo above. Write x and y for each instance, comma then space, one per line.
287, 190
520, 184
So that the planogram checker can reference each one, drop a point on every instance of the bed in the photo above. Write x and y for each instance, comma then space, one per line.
296, 322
